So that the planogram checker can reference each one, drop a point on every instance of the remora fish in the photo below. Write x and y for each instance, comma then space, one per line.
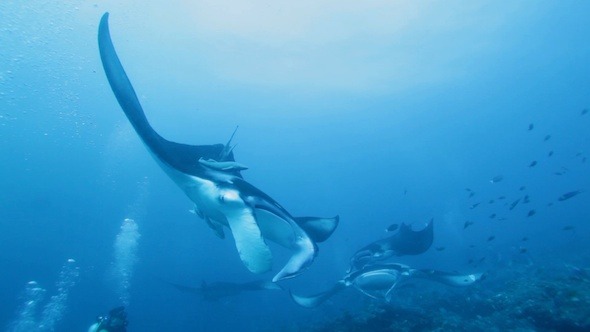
404, 242
380, 281
210, 177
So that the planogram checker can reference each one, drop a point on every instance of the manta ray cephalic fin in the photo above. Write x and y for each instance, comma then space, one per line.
251, 246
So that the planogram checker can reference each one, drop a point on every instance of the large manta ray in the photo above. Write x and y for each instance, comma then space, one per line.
210, 177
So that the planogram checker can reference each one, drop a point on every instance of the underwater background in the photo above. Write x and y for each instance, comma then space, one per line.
380, 112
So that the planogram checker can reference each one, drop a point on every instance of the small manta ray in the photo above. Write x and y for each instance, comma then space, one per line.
210, 177
405, 242
380, 281
217, 290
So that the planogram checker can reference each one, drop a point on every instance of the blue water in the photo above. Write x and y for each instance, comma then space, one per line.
380, 112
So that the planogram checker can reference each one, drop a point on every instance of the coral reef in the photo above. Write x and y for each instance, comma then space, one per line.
533, 301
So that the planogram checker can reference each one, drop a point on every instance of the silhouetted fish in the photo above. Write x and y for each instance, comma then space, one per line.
473, 206
467, 224
491, 201
468, 189
568, 228
491, 238
550, 153
524, 239
531, 213
497, 179
502, 197
471, 194
492, 216
392, 228
533, 163
514, 204
522, 188
472, 246
440, 248
523, 250
559, 173
568, 195
584, 111
501, 219
531, 126
526, 200
547, 137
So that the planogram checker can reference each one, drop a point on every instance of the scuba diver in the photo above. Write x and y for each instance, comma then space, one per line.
115, 321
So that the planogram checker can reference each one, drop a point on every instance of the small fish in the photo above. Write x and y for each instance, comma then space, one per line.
531, 213
491, 238
467, 224
468, 189
491, 201
547, 137
482, 259
392, 228
524, 239
492, 216
471, 194
470, 261
533, 163
568, 228
501, 198
526, 199
523, 250
550, 204
405, 192
473, 206
440, 248
497, 179
558, 173
569, 195
531, 126
501, 219
584, 111
584, 159
550, 153
472, 246
514, 204
522, 188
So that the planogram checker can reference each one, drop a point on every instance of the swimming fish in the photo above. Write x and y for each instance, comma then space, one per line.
569, 195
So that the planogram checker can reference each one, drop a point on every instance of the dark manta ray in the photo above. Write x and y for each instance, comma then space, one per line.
217, 290
380, 281
405, 242
210, 177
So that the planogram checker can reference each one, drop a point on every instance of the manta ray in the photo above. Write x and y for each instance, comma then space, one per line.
217, 290
211, 178
379, 282
404, 242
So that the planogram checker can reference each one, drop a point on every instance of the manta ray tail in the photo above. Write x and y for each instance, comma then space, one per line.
317, 299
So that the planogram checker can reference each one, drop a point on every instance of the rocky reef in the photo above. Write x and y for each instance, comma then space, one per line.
529, 300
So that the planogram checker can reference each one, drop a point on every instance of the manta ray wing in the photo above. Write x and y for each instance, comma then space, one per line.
182, 157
